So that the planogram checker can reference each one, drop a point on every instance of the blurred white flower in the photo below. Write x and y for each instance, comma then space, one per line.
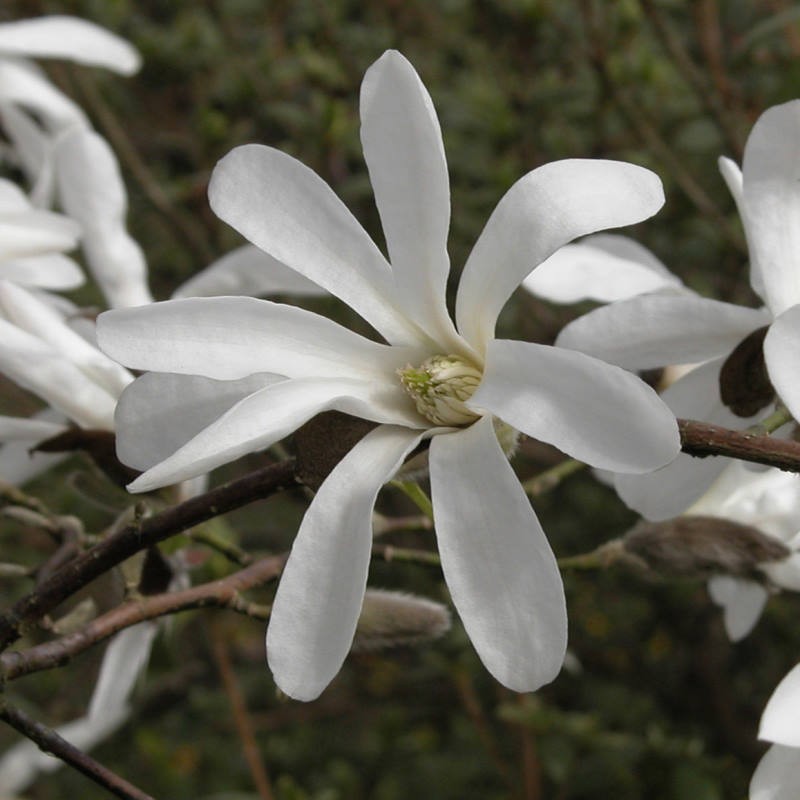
497, 562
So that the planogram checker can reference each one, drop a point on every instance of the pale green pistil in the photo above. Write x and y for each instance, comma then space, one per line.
439, 388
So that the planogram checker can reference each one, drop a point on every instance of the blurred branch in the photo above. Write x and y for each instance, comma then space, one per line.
137, 536
550, 478
223, 593
693, 76
48, 741
241, 717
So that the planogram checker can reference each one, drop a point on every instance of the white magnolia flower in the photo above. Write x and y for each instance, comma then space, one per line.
777, 776
768, 500
658, 329
453, 384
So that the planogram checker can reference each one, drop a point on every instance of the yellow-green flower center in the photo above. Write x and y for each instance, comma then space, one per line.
440, 387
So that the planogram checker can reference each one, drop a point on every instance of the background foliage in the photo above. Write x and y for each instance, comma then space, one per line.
657, 704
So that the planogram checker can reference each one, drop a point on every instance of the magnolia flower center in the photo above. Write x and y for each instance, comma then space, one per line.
440, 387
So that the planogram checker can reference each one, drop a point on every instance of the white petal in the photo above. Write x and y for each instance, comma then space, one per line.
658, 329
91, 191
288, 211
28, 312
247, 271
604, 267
42, 370
72, 38
542, 212
27, 429
231, 337
160, 412
319, 598
497, 562
404, 152
784, 573
50, 271
269, 415
771, 188
781, 354
672, 489
777, 776
780, 722
733, 178
33, 232
33, 149
742, 602
12, 198
124, 661
21, 83
18, 465
594, 411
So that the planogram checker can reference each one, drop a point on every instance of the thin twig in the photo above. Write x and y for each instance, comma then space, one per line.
223, 593
550, 478
241, 717
139, 536
48, 741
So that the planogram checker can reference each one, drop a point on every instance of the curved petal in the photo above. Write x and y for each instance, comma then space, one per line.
781, 354
541, 212
160, 412
605, 267
18, 465
42, 370
92, 192
497, 562
779, 722
771, 193
594, 411
32, 146
669, 491
405, 156
732, 176
24, 85
60, 36
27, 429
270, 414
321, 590
657, 330
48, 271
33, 232
247, 271
777, 775
288, 211
231, 337
742, 602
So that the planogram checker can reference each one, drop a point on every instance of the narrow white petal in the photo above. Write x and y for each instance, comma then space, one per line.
732, 176
319, 598
79, 40
742, 602
160, 412
247, 271
542, 212
124, 661
405, 156
28, 312
288, 211
594, 411
670, 490
18, 465
32, 147
777, 776
780, 722
771, 193
50, 271
27, 429
605, 267
270, 414
498, 564
33, 232
43, 370
91, 191
781, 354
231, 337
658, 329
23, 84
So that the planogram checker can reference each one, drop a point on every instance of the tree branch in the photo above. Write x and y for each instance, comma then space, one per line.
135, 537
48, 741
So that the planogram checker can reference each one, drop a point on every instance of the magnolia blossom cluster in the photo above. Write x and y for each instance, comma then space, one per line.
227, 374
